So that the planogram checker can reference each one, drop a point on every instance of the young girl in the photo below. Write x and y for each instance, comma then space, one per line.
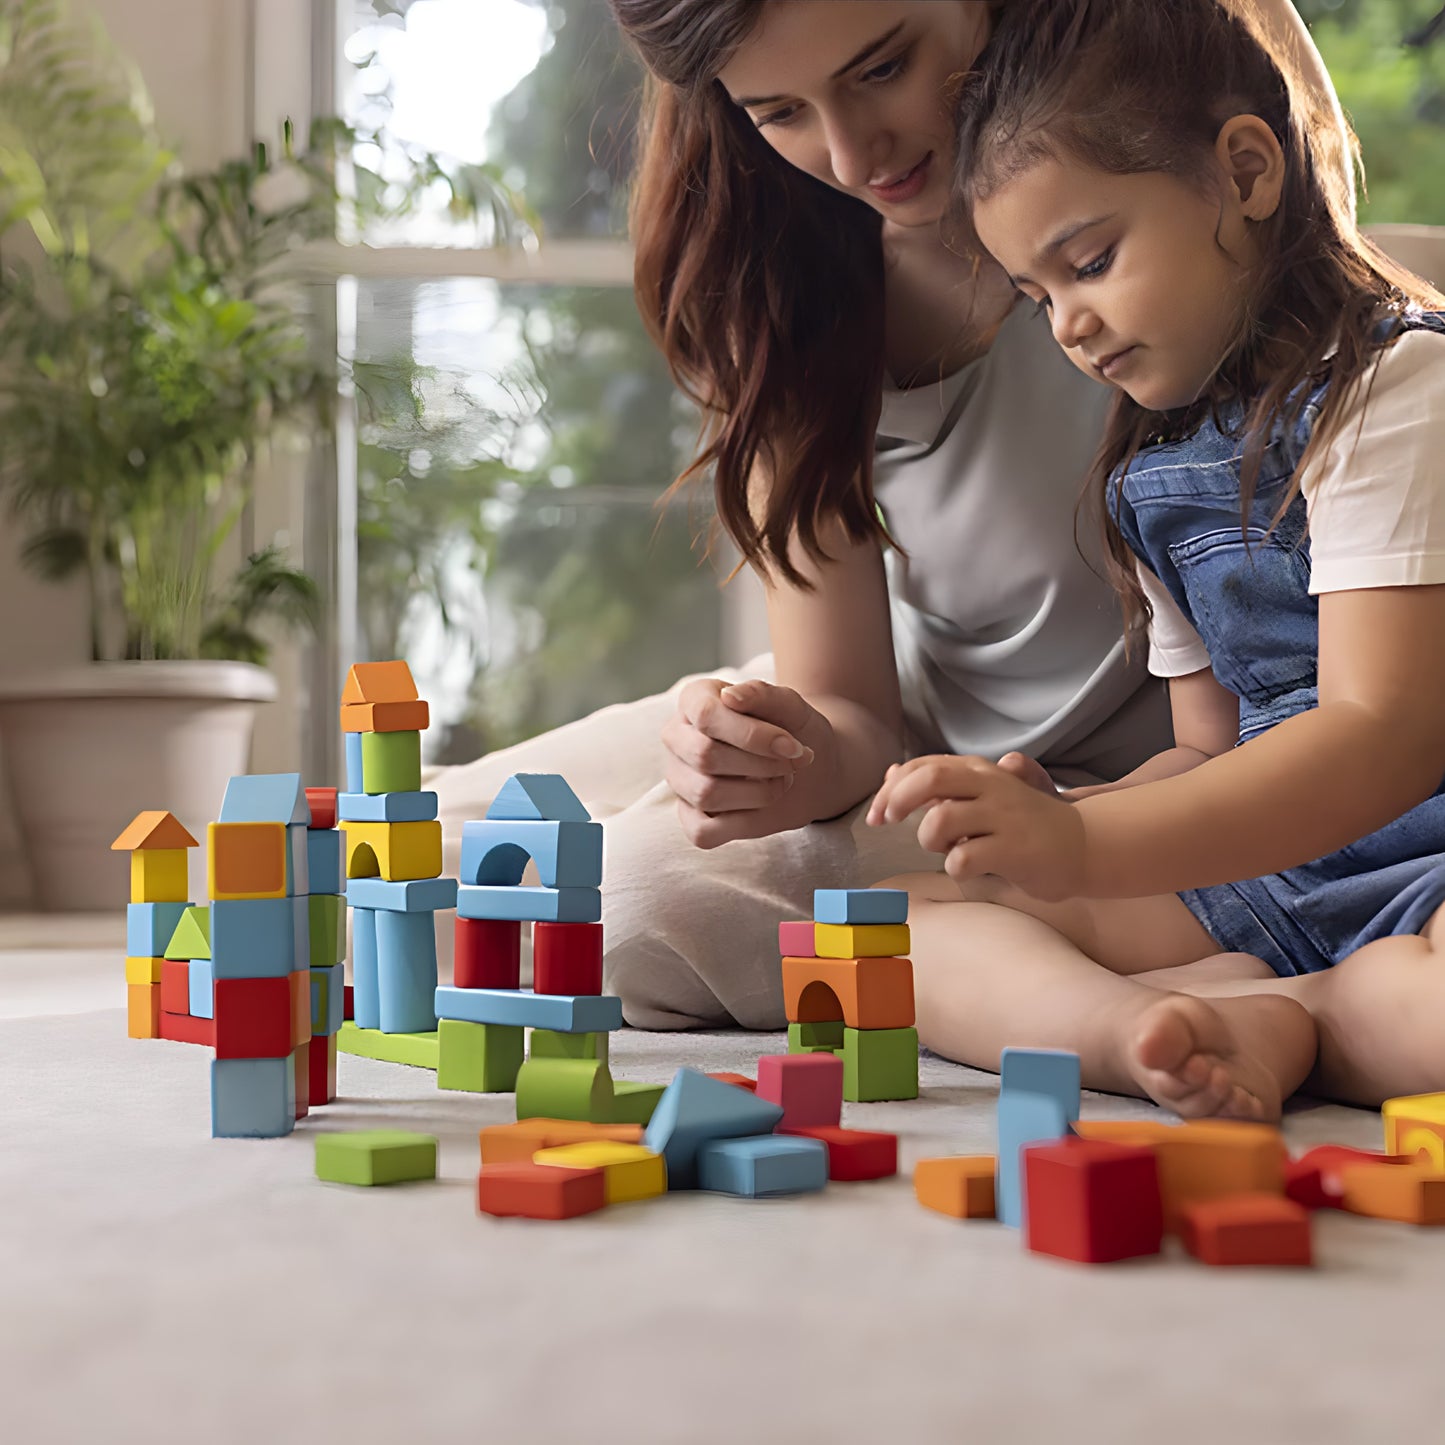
1272, 488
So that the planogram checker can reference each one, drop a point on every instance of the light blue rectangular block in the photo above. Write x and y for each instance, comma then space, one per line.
1038, 1099
386, 807
323, 860
860, 905
265, 798
538, 797
148, 927
365, 997
353, 763
567, 854
564, 1012
253, 937
202, 983
298, 860
406, 972
763, 1164
328, 1000
546, 905
409, 895
253, 1098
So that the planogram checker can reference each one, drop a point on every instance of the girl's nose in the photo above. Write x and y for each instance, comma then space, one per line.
853, 151
1073, 324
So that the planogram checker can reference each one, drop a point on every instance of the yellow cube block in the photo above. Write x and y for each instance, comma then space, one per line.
394, 851
860, 940
158, 875
144, 971
1415, 1125
630, 1171
246, 860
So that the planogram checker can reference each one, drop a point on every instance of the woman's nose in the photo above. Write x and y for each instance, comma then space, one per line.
854, 149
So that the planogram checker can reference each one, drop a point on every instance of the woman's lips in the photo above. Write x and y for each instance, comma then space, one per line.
907, 185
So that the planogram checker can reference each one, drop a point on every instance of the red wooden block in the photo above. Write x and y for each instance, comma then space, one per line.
175, 986
1305, 1184
301, 1066
1247, 1229
253, 1018
540, 1191
739, 1081
1092, 1201
322, 802
187, 1029
567, 958
301, 1007
488, 953
348, 1002
321, 1059
1332, 1159
808, 1086
854, 1153
796, 940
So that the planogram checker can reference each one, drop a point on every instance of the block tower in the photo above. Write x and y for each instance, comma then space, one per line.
483, 1016
848, 989
393, 853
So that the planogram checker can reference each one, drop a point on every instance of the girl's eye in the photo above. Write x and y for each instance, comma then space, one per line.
888, 70
1096, 267
785, 116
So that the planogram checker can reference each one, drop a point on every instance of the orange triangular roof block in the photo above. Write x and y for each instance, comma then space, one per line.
154, 829
379, 682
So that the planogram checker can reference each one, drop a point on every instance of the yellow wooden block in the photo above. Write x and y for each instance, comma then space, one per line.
394, 851
630, 1171
158, 875
1415, 1125
143, 971
143, 1010
860, 940
246, 860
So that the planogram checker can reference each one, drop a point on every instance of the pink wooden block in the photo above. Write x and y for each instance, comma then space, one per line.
808, 1086
795, 940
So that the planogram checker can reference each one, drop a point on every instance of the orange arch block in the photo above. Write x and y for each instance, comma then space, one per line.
867, 993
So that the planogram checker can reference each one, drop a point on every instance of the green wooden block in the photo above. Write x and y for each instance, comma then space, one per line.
633, 1103
549, 1044
328, 929
824, 1038
578, 1089
418, 1050
192, 937
479, 1058
375, 1156
880, 1064
391, 762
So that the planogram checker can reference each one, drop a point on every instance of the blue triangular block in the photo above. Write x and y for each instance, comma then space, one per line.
694, 1110
265, 798
538, 798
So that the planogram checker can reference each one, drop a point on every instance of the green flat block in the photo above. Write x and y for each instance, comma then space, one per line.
578, 1089
391, 762
823, 1038
633, 1103
418, 1050
549, 1044
880, 1064
479, 1058
375, 1156
327, 918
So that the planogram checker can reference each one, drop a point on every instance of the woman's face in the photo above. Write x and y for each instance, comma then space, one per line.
855, 94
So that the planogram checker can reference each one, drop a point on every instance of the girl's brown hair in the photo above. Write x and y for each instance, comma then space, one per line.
1131, 86
762, 286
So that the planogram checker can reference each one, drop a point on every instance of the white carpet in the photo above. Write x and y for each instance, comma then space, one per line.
158, 1285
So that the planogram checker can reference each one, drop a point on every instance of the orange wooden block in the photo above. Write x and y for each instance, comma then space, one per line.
1247, 1229
866, 993
246, 860
740, 1081
378, 682
1123, 1131
143, 1010
537, 1191
961, 1185
153, 829
1407, 1193
385, 717
516, 1143
1211, 1158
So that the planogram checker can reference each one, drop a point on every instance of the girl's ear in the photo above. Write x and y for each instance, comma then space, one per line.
1252, 158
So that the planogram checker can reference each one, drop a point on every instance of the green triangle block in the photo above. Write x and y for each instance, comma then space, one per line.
479, 1058
192, 936
375, 1156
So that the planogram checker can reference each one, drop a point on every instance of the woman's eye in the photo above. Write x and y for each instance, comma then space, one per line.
778, 117
888, 70
1096, 267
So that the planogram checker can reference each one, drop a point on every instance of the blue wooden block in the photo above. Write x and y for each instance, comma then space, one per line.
409, 895
761, 1165
301, 932
547, 905
253, 1098
148, 927
406, 972
695, 1110
1038, 1099
323, 860
568, 855
366, 998
538, 798
353, 763
860, 905
328, 1000
253, 937
566, 1013
386, 807
202, 982
265, 798
298, 860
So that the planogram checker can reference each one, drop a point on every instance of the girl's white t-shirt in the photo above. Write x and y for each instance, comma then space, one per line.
1375, 497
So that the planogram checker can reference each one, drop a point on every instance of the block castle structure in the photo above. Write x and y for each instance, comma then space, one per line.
848, 989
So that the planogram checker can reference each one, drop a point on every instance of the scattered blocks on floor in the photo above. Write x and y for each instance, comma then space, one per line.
553, 1088
630, 1171
961, 1186
567, 958
853, 1154
517, 1143
540, 1191
1244, 1229
738, 1081
1092, 1201
762, 1165
695, 1110
479, 1058
1038, 1100
375, 1156
880, 1064
1211, 1158
253, 1098
1415, 1126
1406, 1193
635, 1103
871, 906
807, 1087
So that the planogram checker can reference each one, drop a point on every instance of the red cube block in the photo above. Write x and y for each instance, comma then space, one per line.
1092, 1201
488, 953
796, 940
854, 1153
253, 1018
1247, 1229
567, 958
301, 1065
187, 1029
322, 802
808, 1086
540, 1191
175, 986
321, 1057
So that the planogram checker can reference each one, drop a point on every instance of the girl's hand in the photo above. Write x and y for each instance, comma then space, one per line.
734, 750
985, 819
1030, 771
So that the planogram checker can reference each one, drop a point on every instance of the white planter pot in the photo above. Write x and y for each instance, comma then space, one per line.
87, 748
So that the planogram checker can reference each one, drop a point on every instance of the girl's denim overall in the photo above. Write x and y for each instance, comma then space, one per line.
1179, 511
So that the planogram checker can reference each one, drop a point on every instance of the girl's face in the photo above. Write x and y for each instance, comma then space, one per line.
855, 94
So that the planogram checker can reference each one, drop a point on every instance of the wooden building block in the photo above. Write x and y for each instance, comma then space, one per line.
1037, 1102
1407, 1193
254, 1018
854, 1154
1123, 1131
543, 905
762, 1165
326, 929
255, 937
1092, 1201
695, 1110
860, 940
631, 1171
406, 972
323, 861
580, 1013
143, 970
880, 1064
567, 957
376, 1156
565, 1089
159, 875
321, 1059
1333, 1159
540, 1191
871, 906
385, 717
192, 936
814, 1038
301, 1069
1265, 1229
795, 940
1305, 1184
958, 1185
417, 1051
738, 1081
478, 1058
322, 805
1415, 1127
495, 852
808, 1088
175, 986
188, 1029
149, 926
378, 682
634, 1102
153, 829
386, 807
300, 982
487, 953
865, 993
253, 1098
554, 1044
202, 985
1211, 1158
538, 797
143, 1010
393, 851
516, 1143
265, 798
391, 763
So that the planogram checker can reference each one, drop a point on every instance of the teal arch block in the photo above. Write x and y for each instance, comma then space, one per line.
860, 905
544, 905
568, 855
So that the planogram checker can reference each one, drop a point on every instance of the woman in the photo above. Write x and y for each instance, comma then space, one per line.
791, 262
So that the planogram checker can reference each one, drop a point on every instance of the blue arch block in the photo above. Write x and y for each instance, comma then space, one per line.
495, 851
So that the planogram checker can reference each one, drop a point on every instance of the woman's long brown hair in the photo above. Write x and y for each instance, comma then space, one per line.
1131, 86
